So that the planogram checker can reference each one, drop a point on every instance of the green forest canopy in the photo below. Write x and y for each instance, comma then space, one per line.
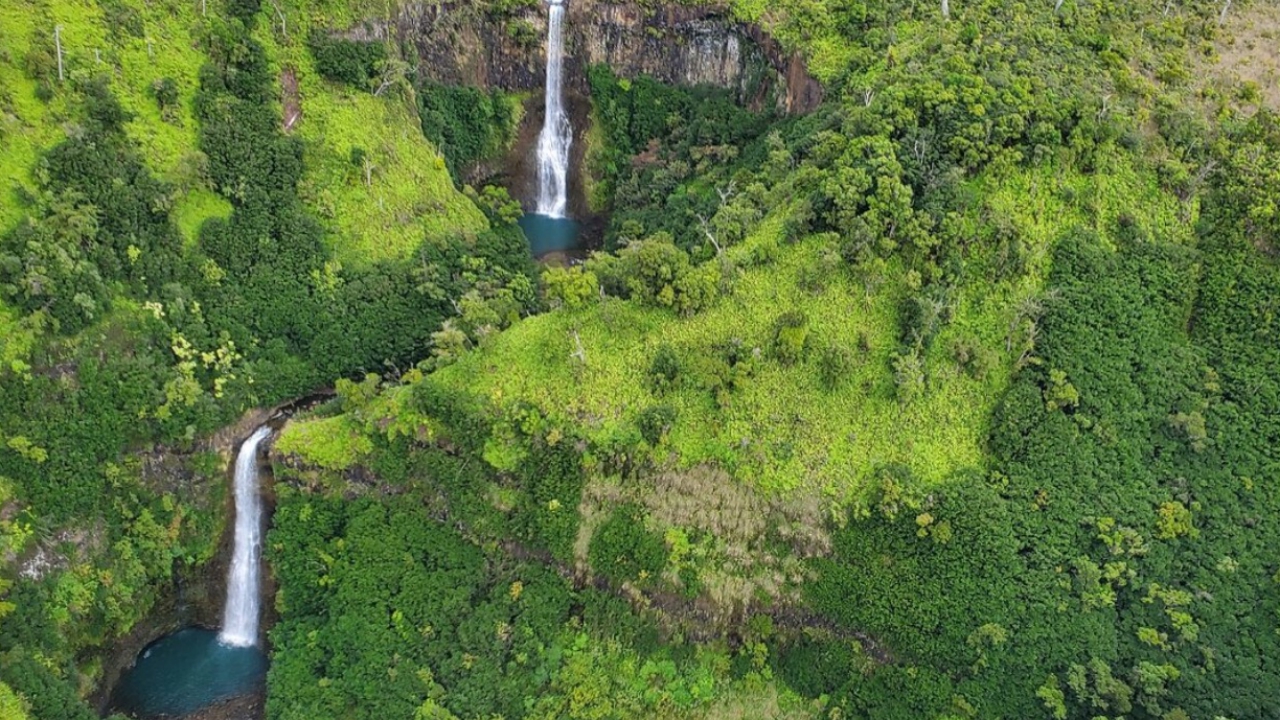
955, 398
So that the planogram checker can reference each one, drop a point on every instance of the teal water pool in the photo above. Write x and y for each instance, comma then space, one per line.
548, 234
188, 670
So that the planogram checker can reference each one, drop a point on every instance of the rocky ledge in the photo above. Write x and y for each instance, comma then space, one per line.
460, 43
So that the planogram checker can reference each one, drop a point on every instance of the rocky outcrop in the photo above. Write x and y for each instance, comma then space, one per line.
459, 43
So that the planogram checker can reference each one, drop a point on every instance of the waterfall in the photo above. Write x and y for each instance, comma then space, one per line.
240, 617
557, 132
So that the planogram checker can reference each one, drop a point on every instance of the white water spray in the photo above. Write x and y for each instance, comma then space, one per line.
557, 132
240, 617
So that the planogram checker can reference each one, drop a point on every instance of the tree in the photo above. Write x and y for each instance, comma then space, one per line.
990, 636
654, 422
391, 73
12, 706
790, 335
355, 396
1055, 701
835, 362
573, 287
909, 373
1174, 521
165, 91
664, 370
1095, 686
448, 343
1151, 681
654, 263
1061, 394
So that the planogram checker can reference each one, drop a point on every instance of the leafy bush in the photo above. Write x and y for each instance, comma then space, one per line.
466, 124
165, 91
835, 362
654, 422
624, 550
352, 62
790, 336
552, 478
664, 370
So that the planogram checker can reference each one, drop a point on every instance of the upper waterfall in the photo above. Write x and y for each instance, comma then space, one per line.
557, 132
240, 617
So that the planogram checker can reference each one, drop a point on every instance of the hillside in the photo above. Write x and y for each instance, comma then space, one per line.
954, 397
964, 415
137, 320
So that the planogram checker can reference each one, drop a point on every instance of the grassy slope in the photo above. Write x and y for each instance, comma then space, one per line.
411, 195
92, 46
827, 53
165, 47
797, 435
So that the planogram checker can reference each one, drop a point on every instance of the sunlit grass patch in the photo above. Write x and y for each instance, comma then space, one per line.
383, 206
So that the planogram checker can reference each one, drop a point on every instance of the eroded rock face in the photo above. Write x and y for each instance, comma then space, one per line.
459, 43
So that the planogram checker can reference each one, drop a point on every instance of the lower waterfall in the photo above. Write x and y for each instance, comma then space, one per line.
240, 618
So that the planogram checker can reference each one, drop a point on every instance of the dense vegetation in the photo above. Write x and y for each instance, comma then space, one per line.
467, 124
120, 335
958, 397
1023, 265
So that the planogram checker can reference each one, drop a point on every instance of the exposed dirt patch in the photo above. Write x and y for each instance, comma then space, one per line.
1248, 54
699, 618
289, 96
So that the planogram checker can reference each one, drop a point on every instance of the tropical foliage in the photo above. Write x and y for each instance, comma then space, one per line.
953, 398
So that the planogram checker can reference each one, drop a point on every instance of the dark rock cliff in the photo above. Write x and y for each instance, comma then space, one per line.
459, 43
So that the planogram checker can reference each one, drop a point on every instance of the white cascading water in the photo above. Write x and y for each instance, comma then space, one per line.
240, 617
557, 132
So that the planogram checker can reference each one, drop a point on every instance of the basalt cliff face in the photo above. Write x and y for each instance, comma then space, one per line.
459, 43
462, 43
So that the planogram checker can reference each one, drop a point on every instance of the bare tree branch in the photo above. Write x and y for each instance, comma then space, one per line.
580, 354
284, 31
727, 192
706, 230
393, 71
